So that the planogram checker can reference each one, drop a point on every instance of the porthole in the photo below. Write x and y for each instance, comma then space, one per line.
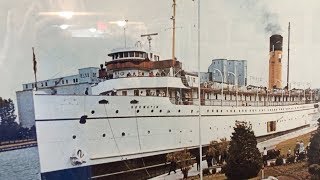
123, 134
138, 111
168, 111
212, 110
191, 111
103, 135
160, 110
181, 131
210, 127
148, 132
117, 111
144, 106
131, 107
152, 110
207, 110
169, 130
139, 107
217, 110
157, 107
74, 137
179, 110
92, 112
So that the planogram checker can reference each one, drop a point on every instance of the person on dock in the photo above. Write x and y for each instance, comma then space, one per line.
173, 165
198, 161
289, 152
265, 156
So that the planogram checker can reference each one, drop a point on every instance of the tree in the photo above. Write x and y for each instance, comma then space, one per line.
8, 127
244, 159
218, 148
183, 159
314, 149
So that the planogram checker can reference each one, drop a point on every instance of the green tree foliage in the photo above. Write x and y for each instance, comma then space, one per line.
244, 159
9, 128
314, 149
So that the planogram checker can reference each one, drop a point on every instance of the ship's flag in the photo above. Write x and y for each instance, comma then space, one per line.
34, 68
34, 61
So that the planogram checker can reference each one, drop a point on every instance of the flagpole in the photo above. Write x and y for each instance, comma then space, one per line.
34, 68
199, 93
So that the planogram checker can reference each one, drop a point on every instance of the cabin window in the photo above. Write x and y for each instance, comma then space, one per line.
216, 96
151, 55
26, 86
120, 55
136, 92
124, 93
208, 95
131, 54
113, 57
116, 56
136, 54
125, 54
62, 81
141, 55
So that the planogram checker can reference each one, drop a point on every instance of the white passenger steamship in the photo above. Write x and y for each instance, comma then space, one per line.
145, 107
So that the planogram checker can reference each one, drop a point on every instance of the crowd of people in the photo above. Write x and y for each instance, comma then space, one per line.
299, 152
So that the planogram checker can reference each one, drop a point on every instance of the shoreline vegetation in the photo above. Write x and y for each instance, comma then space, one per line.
12, 134
298, 170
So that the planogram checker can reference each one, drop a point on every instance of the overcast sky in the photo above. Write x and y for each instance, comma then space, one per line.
233, 29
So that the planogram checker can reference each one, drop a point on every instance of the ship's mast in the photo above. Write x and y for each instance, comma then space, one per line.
173, 31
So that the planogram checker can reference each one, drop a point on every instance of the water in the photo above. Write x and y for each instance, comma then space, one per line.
20, 164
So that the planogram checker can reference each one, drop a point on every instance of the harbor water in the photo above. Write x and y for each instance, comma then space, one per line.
20, 164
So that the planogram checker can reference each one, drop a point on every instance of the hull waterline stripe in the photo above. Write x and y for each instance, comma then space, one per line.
195, 115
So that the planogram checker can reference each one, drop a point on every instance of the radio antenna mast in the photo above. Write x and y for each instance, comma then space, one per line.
149, 38
173, 18
288, 56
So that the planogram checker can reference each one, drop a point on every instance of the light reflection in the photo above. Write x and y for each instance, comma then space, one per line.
66, 14
64, 26
92, 30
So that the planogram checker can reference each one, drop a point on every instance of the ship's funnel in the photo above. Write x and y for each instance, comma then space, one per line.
275, 64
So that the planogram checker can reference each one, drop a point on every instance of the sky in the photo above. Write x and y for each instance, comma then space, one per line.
232, 29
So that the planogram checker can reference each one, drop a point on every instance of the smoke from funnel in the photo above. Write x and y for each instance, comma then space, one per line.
267, 19
271, 23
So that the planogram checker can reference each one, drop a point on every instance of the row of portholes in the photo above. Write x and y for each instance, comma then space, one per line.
253, 110
152, 110
123, 134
